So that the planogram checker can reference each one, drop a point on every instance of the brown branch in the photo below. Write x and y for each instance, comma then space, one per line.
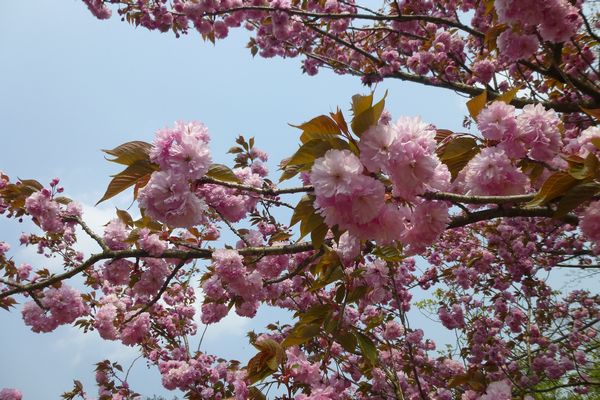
297, 270
492, 213
469, 199
172, 253
89, 231
158, 295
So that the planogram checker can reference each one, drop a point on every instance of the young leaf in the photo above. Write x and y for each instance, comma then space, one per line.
555, 186
132, 174
367, 118
361, 103
130, 152
222, 173
476, 104
303, 209
576, 196
508, 96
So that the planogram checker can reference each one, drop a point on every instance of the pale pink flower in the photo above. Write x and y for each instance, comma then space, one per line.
539, 129
10, 394
213, 312
500, 390
134, 331
428, 221
335, 173
590, 222
491, 172
497, 121
104, 322
183, 150
152, 278
374, 146
117, 271
584, 140
514, 46
168, 198
115, 234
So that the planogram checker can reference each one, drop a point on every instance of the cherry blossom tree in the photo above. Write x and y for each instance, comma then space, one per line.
379, 206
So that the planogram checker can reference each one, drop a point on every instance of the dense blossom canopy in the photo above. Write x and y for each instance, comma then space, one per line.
475, 219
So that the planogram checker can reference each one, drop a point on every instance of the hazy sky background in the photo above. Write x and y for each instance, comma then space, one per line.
71, 85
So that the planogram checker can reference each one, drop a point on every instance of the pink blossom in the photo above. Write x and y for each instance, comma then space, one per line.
497, 121
115, 235
492, 173
348, 247
168, 198
584, 141
484, 70
228, 264
515, 47
428, 220
152, 278
64, 303
117, 271
590, 222
183, 150
45, 210
335, 173
561, 21
500, 390
4, 247
392, 330
134, 331
10, 394
37, 318
151, 242
213, 312
98, 9
104, 322
374, 146
539, 128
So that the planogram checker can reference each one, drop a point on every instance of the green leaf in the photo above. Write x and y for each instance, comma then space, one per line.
127, 178
32, 183
457, 147
130, 152
301, 334
316, 314
357, 293
222, 173
576, 196
592, 112
555, 186
367, 347
289, 171
347, 340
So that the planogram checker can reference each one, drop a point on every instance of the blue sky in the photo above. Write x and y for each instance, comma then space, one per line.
71, 85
